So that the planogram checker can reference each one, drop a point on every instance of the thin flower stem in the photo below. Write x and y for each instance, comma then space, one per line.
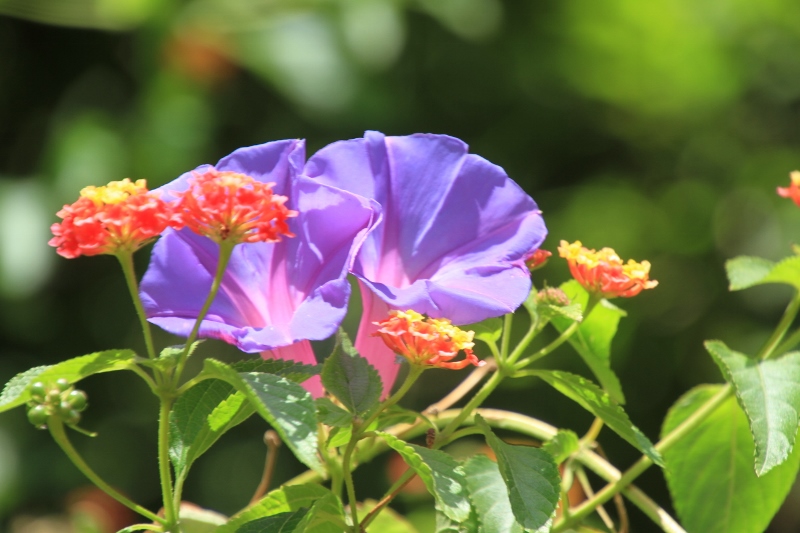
169, 495
607, 492
125, 259
393, 491
505, 340
140, 527
783, 326
56, 428
469, 383
225, 251
136, 369
788, 343
473, 404
273, 442
348, 480
593, 432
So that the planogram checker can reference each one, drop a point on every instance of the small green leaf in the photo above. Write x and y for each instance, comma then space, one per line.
279, 523
287, 499
442, 475
331, 414
744, 272
769, 392
489, 496
564, 444
488, 331
710, 470
325, 516
16, 392
350, 377
531, 477
593, 338
339, 437
287, 407
297, 372
600, 404
200, 417
446, 525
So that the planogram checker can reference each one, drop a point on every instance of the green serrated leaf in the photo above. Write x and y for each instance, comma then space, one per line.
297, 372
16, 392
531, 477
710, 470
769, 392
446, 525
288, 408
279, 523
564, 444
488, 331
199, 520
287, 499
325, 516
489, 496
350, 377
599, 403
593, 338
442, 475
331, 414
201, 416
744, 272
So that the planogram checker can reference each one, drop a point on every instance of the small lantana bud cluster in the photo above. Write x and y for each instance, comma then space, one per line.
553, 296
59, 400
537, 259
793, 190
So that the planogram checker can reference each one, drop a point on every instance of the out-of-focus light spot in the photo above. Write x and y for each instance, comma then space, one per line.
745, 223
659, 57
373, 31
26, 260
300, 54
88, 152
471, 19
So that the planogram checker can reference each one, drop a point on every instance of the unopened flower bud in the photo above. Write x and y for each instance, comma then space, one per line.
38, 391
62, 384
37, 415
77, 400
553, 296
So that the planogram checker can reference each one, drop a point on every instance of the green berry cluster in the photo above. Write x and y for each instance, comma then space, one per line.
59, 400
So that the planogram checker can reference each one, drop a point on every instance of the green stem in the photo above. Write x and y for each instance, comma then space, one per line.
348, 480
169, 496
56, 428
505, 340
788, 343
605, 494
473, 404
782, 327
225, 251
126, 262
393, 491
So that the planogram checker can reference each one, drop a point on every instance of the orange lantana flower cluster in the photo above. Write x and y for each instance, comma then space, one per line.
603, 272
793, 190
425, 341
234, 207
120, 216
123, 216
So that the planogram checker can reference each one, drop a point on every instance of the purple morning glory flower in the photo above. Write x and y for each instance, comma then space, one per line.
274, 297
453, 238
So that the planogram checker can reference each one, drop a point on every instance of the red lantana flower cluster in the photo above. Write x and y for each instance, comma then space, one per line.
228, 206
603, 272
120, 216
123, 216
793, 190
425, 341
537, 259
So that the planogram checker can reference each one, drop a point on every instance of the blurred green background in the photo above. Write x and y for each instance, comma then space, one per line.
660, 128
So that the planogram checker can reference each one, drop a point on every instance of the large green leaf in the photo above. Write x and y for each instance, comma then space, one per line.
350, 377
744, 272
489, 496
769, 392
279, 523
531, 478
200, 417
600, 404
593, 338
287, 499
710, 470
16, 392
288, 407
442, 475
325, 516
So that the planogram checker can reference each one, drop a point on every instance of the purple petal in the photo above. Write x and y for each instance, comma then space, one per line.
300, 352
371, 347
272, 294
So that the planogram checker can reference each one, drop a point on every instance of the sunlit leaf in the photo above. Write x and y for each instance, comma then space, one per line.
744, 272
769, 392
350, 377
287, 499
489, 496
564, 444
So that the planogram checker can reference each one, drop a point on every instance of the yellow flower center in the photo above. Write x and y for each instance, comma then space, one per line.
115, 192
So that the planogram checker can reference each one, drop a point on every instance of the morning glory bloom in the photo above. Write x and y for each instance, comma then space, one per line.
453, 239
274, 296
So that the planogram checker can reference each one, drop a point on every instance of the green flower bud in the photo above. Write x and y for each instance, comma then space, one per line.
38, 416
71, 417
77, 400
62, 385
38, 391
